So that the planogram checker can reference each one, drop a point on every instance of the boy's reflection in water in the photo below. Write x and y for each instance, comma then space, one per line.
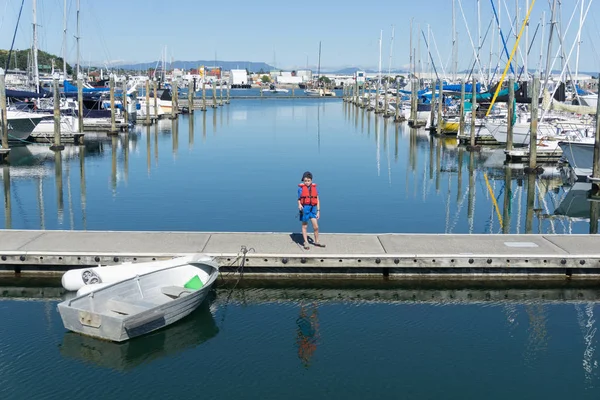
308, 332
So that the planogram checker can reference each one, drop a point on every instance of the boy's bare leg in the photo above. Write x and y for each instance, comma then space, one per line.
315, 225
305, 232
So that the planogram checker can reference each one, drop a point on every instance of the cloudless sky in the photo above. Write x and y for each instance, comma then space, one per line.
287, 34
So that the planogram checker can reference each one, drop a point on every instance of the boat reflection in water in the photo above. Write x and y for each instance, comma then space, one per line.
188, 333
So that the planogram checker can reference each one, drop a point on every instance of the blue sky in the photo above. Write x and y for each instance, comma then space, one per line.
285, 33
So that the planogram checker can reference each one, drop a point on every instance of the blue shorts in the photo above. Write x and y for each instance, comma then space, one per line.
308, 212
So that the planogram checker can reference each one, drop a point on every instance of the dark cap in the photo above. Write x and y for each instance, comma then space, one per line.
307, 174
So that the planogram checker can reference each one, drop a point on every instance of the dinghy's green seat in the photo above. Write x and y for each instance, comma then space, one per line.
195, 283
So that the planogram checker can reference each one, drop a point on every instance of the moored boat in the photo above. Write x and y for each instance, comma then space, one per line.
142, 304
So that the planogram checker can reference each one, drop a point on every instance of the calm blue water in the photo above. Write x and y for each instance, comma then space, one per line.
252, 347
236, 168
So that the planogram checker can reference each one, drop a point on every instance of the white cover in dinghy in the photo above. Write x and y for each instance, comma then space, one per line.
75, 279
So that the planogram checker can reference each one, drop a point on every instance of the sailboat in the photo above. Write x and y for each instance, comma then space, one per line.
318, 90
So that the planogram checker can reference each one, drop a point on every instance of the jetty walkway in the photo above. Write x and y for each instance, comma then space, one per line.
42, 252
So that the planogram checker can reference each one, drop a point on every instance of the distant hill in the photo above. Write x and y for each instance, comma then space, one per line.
20, 58
187, 65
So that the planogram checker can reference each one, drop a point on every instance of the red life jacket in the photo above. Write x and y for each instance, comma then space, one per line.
309, 195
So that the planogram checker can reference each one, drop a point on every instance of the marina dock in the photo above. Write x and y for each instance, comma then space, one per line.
40, 253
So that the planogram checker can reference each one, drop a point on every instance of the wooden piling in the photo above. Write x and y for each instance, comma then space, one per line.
229, 97
124, 103
191, 97
113, 122
214, 94
432, 111
461, 124
203, 95
533, 127
397, 111
155, 99
221, 93
377, 96
3, 113
413, 102
440, 121
385, 100
80, 103
148, 121
56, 146
174, 99
473, 112
511, 111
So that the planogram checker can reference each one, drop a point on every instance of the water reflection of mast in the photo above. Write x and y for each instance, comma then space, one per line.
70, 197
538, 334
386, 148
461, 153
362, 120
204, 127
148, 149
59, 184
319, 128
7, 204
113, 175
214, 121
588, 330
530, 203
175, 135
191, 130
126, 156
507, 200
431, 159
82, 186
377, 152
438, 164
156, 143
396, 135
40, 199
471, 201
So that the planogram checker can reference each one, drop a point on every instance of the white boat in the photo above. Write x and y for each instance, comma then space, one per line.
580, 156
21, 124
142, 304
68, 124
319, 92
273, 89
75, 279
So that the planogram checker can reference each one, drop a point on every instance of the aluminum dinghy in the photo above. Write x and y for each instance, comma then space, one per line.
142, 304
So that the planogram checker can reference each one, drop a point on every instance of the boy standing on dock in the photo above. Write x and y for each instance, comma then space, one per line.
309, 207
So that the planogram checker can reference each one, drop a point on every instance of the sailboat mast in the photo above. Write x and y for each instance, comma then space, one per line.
78, 39
391, 52
526, 61
380, 40
579, 44
410, 50
65, 40
548, 53
319, 64
454, 54
36, 74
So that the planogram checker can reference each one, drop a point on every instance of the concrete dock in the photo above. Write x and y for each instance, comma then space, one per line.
39, 253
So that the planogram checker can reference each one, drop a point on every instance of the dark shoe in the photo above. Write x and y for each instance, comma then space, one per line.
319, 244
